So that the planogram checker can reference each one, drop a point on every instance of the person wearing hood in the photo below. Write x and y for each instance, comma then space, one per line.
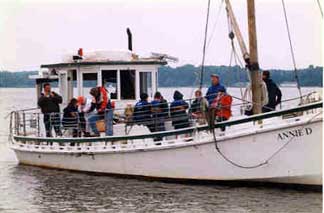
178, 111
274, 93
142, 112
214, 88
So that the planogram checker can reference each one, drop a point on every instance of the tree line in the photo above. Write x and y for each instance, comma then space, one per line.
188, 75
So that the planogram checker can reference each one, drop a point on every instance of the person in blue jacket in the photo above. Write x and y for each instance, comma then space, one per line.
178, 111
160, 111
143, 112
214, 88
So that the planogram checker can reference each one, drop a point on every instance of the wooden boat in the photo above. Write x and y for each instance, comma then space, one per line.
283, 146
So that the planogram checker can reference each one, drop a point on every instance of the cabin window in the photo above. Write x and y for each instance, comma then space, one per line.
127, 84
90, 80
146, 83
109, 80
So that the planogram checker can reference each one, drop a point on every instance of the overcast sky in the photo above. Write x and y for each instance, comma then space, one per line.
37, 32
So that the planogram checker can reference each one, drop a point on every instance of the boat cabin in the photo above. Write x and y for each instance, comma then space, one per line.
124, 74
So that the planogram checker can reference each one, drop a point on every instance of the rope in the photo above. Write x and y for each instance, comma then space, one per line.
262, 163
219, 10
204, 48
291, 48
320, 7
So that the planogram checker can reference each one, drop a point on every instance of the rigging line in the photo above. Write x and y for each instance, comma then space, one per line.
216, 22
266, 161
320, 7
291, 49
204, 48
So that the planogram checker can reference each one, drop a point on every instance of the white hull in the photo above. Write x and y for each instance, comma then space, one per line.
300, 162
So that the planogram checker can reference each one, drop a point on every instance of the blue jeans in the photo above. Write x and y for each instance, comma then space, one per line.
108, 116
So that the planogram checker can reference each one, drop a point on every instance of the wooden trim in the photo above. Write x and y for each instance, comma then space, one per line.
103, 63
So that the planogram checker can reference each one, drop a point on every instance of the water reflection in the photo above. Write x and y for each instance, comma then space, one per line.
44, 190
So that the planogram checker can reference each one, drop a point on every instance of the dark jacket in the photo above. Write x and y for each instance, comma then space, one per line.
70, 116
212, 92
160, 109
142, 113
50, 104
274, 94
178, 111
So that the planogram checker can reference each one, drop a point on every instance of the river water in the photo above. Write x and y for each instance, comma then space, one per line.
31, 189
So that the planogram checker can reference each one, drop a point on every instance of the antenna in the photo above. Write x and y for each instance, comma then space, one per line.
165, 56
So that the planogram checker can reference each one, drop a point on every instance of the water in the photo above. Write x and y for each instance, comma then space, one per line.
31, 189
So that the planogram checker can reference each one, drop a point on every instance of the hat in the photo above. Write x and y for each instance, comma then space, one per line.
81, 100
214, 75
157, 95
143, 96
177, 95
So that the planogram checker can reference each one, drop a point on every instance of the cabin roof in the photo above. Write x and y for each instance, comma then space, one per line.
87, 63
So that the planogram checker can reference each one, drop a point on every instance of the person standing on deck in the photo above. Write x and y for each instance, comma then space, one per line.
104, 108
274, 93
214, 88
49, 104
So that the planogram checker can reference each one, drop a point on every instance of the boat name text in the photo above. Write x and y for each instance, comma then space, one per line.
294, 133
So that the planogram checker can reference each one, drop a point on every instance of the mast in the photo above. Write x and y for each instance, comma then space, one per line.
254, 65
237, 31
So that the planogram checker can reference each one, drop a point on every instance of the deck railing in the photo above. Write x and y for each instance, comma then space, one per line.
29, 123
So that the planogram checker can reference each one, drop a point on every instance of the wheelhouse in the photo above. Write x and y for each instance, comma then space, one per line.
125, 76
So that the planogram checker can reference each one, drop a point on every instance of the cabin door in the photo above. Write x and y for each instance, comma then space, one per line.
63, 86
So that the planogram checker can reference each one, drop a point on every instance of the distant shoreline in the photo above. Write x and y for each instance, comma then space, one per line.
187, 75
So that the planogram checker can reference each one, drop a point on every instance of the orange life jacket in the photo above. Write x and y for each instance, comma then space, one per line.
223, 106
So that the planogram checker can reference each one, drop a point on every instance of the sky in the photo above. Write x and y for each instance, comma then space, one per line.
34, 32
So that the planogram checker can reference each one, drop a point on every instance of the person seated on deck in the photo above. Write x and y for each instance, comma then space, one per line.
70, 117
199, 107
143, 112
128, 113
49, 104
104, 109
214, 88
221, 108
160, 111
84, 105
178, 111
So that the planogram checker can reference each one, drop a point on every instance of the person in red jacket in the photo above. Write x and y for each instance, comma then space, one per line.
220, 108
104, 108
